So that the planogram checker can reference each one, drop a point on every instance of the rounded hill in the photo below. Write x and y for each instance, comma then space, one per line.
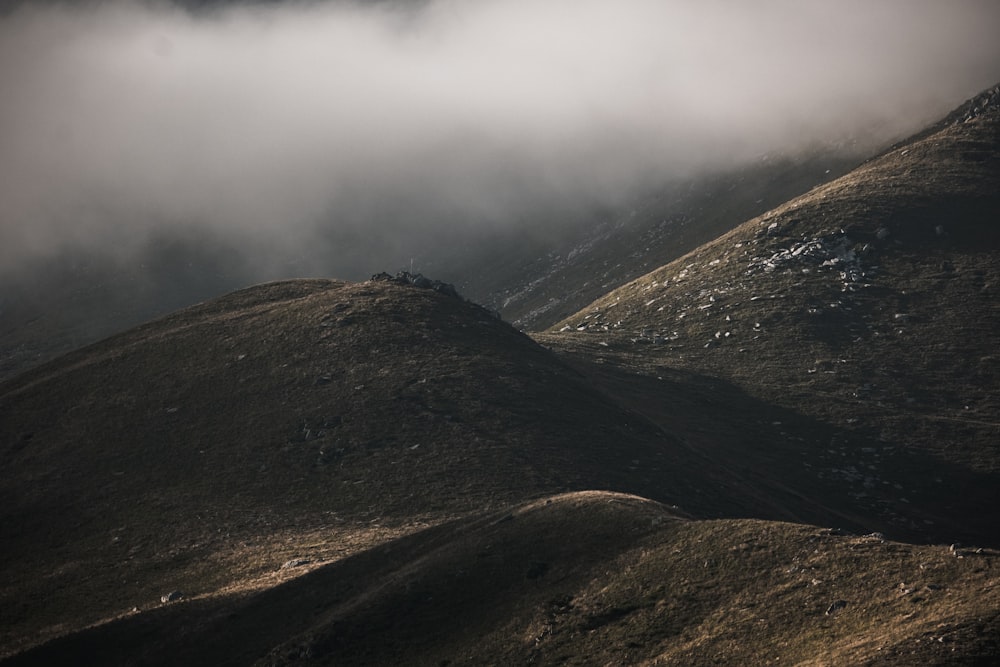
586, 578
306, 412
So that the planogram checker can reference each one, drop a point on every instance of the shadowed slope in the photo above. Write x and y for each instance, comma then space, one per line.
587, 578
316, 417
869, 305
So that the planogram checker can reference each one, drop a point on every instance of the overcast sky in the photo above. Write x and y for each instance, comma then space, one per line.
270, 122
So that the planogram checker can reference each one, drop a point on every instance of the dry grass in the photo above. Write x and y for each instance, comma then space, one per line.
154, 460
591, 578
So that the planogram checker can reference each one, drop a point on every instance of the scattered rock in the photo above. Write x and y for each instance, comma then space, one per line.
172, 596
836, 607
984, 103
838, 532
417, 280
959, 553
829, 252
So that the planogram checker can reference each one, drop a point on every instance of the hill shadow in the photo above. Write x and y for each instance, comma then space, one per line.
769, 462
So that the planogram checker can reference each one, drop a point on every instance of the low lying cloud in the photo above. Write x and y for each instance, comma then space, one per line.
282, 123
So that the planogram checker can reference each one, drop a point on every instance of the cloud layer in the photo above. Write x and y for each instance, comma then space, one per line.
279, 124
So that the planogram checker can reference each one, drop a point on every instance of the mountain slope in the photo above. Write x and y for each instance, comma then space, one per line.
199, 450
587, 578
534, 287
868, 305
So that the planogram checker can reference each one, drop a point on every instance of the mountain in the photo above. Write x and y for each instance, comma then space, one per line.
867, 306
535, 287
760, 451
319, 411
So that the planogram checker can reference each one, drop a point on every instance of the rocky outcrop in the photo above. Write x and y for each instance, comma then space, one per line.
417, 280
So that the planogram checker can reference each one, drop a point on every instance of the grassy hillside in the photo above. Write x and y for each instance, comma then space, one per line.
588, 579
536, 286
309, 416
867, 308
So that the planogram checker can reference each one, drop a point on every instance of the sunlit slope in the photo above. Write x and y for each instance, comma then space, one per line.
588, 578
868, 305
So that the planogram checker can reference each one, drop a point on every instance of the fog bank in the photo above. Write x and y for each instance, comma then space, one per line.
277, 126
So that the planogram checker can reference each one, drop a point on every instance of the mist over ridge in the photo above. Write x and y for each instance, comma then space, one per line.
358, 128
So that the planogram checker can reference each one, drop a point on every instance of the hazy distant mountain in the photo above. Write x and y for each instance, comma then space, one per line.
537, 155
534, 287
532, 278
